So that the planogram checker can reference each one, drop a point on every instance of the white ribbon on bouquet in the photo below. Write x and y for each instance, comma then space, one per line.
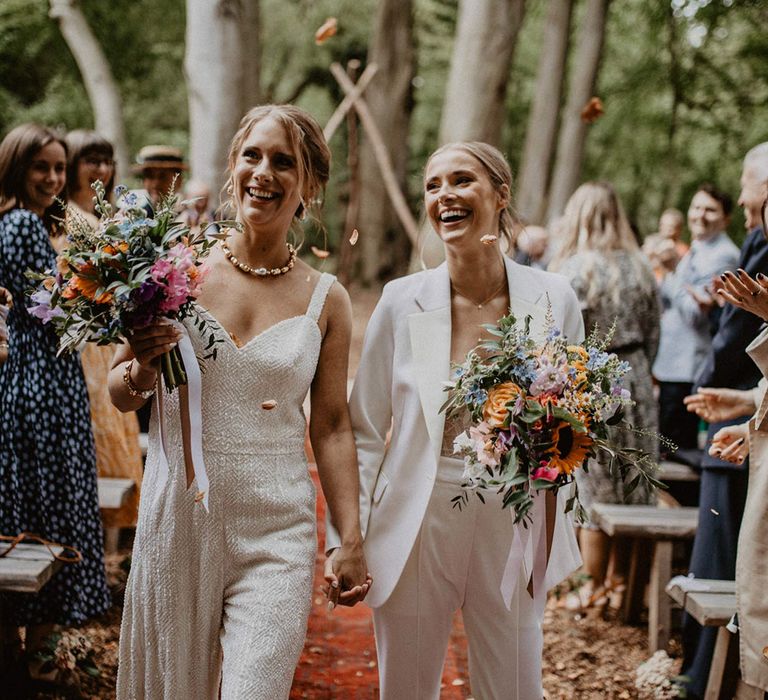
195, 414
533, 537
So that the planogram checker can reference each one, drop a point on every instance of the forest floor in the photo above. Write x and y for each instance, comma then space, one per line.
585, 656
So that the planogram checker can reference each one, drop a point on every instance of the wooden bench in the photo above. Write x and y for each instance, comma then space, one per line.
674, 471
660, 527
713, 607
26, 569
113, 494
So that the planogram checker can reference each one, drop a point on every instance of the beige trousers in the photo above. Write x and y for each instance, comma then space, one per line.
457, 563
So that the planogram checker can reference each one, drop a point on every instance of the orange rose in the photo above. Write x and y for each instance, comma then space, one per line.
495, 411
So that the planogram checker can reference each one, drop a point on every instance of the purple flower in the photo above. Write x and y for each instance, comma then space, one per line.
42, 309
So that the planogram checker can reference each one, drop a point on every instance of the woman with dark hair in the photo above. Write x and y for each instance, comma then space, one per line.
47, 465
115, 434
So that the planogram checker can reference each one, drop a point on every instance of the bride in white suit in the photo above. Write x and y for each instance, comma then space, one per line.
427, 558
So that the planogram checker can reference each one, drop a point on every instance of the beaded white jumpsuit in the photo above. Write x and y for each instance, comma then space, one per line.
223, 597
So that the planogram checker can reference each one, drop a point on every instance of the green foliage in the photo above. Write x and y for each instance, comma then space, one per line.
683, 82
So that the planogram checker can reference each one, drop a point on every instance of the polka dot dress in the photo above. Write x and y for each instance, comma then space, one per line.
47, 462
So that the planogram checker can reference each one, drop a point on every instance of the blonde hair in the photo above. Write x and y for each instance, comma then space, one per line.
306, 138
595, 226
499, 173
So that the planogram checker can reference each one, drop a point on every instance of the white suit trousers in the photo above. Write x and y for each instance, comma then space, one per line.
457, 563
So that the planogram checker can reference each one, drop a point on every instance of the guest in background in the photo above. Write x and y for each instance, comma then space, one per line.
665, 248
687, 301
600, 256
161, 169
198, 212
724, 485
47, 461
6, 302
532, 244
90, 157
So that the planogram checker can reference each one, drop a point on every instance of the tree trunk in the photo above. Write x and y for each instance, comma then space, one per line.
221, 65
384, 247
486, 33
541, 133
97, 76
473, 109
570, 148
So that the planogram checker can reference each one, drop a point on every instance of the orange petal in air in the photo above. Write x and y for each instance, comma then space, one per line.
268, 405
592, 111
326, 30
319, 252
353, 238
489, 238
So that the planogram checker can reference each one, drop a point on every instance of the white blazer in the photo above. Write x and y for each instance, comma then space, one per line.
404, 364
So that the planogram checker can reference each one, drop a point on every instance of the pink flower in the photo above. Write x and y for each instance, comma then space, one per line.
546, 473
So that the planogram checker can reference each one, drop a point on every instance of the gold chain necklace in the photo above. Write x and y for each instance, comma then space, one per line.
261, 271
482, 303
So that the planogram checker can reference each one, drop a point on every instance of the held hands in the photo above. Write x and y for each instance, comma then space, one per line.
747, 293
347, 576
715, 405
731, 443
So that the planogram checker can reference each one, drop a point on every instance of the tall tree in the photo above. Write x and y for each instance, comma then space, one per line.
486, 34
473, 109
573, 132
221, 65
384, 247
541, 134
100, 85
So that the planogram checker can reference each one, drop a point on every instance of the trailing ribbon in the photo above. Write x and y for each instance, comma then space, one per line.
528, 552
193, 441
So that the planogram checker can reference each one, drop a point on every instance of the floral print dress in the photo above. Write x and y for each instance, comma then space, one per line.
47, 462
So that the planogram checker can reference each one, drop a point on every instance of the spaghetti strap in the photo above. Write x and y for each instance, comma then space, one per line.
319, 296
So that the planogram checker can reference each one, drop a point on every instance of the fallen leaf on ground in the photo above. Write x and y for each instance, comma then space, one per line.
326, 30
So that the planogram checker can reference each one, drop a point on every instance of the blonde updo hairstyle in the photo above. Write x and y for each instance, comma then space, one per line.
313, 157
499, 173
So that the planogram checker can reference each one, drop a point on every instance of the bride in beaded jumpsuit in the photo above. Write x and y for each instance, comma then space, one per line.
218, 601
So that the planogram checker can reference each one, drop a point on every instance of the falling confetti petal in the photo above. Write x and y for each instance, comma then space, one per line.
326, 30
713, 511
765, 652
200, 496
592, 111
268, 405
353, 238
319, 252
458, 681
489, 238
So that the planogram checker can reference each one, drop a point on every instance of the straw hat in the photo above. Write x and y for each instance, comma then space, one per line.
159, 157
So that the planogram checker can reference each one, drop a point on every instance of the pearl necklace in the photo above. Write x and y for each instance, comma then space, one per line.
261, 271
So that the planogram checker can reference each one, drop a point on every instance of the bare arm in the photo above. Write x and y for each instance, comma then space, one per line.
145, 347
333, 443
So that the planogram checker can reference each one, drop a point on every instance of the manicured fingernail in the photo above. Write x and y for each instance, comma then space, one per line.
739, 441
334, 584
761, 276
723, 277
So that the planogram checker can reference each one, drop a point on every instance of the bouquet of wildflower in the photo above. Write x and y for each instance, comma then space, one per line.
125, 274
538, 411
64, 653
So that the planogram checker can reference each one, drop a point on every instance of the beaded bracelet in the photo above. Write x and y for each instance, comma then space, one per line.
133, 390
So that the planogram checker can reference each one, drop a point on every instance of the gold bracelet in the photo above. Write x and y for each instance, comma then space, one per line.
133, 390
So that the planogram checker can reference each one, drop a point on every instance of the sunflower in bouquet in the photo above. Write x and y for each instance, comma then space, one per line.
125, 274
537, 412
